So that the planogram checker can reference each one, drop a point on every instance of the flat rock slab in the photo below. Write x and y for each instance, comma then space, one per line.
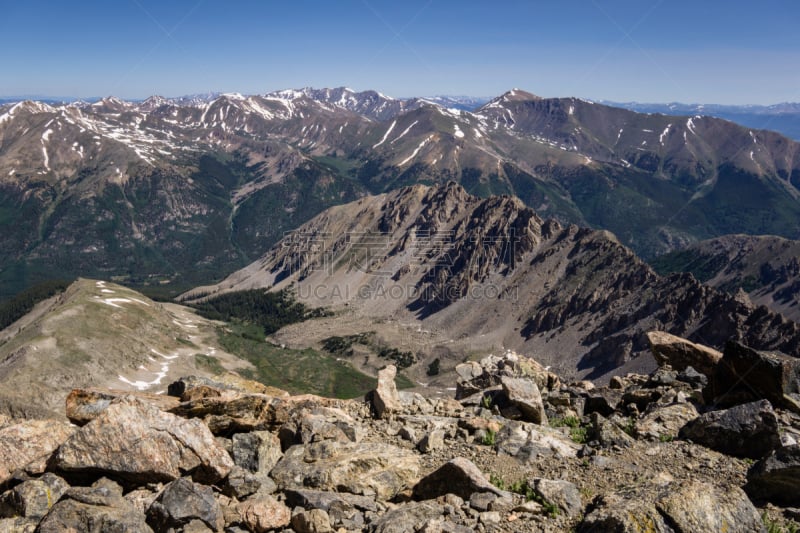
371, 469
134, 440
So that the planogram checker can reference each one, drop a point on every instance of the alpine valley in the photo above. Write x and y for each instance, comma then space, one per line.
177, 193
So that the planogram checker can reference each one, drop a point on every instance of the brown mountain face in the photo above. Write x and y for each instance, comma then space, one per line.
766, 267
490, 272
194, 189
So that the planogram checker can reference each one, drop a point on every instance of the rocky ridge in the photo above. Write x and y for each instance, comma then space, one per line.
491, 270
517, 450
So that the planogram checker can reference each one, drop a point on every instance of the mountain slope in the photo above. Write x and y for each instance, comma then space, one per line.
766, 267
99, 334
467, 268
194, 189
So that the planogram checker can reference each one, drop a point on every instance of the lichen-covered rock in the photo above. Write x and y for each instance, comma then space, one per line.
135, 441
376, 469
27, 445
257, 451
312, 521
561, 493
665, 422
83, 405
33, 498
100, 507
676, 507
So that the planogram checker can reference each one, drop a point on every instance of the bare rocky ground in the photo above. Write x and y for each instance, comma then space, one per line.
518, 450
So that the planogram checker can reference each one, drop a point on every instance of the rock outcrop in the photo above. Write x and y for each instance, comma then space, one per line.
643, 452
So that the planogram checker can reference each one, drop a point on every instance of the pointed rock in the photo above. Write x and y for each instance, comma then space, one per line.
385, 398
458, 476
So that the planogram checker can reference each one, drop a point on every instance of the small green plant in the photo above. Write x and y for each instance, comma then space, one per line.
630, 426
579, 435
666, 437
522, 488
489, 438
486, 402
497, 481
433, 368
567, 421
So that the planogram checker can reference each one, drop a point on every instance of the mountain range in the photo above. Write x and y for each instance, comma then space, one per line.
173, 194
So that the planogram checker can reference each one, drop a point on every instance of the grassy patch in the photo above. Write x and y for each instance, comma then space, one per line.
298, 371
208, 363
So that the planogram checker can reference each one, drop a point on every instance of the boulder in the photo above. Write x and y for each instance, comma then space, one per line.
241, 483
524, 395
608, 433
134, 440
432, 441
682, 507
749, 430
319, 423
83, 405
408, 518
385, 398
458, 476
312, 521
698, 506
776, 478
28, 445
325, 500
264, 513
561, 493
33, 498
680, 353
100, 507
746, 375
183, 501
527, 442
370, 469
257, 451
236, 412
667, 421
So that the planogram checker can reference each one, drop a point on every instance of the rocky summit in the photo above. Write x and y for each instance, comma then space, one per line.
519, 448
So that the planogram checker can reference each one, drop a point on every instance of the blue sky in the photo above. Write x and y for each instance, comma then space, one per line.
646, 50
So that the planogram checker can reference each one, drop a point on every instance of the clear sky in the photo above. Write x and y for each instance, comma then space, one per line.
699, 51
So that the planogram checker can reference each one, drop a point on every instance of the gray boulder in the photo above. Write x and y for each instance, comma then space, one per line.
183, 501
33, 498
776, 478
749, 430
100, 507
